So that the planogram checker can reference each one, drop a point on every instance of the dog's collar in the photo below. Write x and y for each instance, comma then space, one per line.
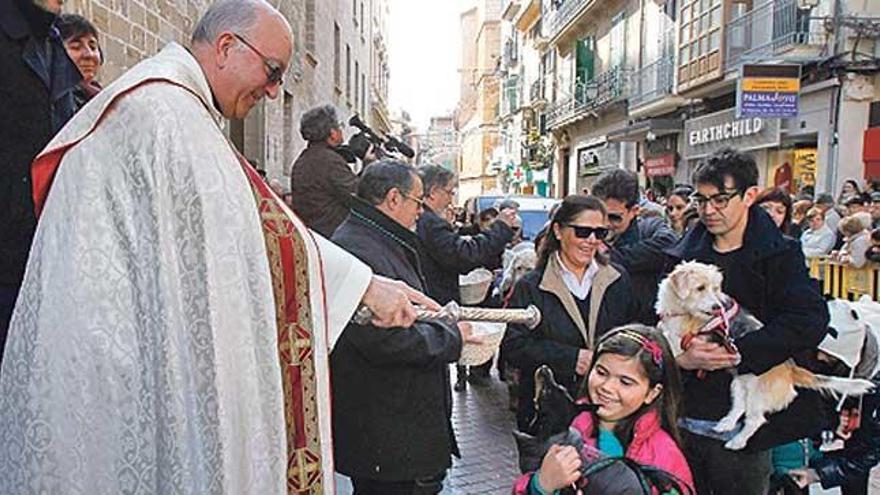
719, 325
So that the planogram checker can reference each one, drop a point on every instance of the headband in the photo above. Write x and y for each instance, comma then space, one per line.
647, 344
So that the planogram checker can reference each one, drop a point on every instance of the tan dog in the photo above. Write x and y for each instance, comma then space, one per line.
690, 302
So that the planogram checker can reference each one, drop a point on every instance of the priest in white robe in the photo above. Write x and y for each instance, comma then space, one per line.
174, 325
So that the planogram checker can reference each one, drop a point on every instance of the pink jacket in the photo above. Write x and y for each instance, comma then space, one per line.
650, 445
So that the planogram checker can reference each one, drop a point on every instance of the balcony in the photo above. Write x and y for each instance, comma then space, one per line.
774, 30
589, 98
652, 82
566, 15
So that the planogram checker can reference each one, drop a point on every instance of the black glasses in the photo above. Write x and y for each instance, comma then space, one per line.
276, 71
719, 201
582, 232
418, 201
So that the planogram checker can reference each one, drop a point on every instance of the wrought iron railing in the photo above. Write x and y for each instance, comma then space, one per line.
567, 12
651, 82
768, 30
605, 89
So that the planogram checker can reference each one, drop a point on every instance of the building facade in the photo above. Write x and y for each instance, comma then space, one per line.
340, 57
476, 116
646, 86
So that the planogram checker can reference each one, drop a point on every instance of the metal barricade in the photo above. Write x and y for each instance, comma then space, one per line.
844, 281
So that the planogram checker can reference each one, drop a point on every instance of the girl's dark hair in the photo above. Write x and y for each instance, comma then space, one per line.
571, 207
777, 195
630, 341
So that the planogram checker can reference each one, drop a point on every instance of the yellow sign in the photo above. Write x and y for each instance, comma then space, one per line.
771, 84
804, 172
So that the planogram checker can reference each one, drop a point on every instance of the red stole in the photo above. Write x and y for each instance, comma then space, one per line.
288, 263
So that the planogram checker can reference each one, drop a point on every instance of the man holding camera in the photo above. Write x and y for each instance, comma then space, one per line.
321, 180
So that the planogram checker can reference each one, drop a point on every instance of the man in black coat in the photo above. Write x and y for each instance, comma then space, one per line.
637, 244
391, 397
448, 254
766, 273
321, 180
37, 82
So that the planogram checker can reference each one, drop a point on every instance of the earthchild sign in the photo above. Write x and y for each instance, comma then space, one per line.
768, 91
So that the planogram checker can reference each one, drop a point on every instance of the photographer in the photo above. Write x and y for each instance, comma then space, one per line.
321, 181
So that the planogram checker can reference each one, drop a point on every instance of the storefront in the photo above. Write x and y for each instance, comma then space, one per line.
707, 134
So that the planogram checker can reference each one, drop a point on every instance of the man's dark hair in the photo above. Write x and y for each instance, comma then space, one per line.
618, 184
434, 176
727, 162
382, 177
316, 123
74, 26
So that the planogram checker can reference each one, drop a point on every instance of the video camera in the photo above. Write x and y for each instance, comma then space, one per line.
389, 143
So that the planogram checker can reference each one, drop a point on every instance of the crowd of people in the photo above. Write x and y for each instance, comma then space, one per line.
138, 306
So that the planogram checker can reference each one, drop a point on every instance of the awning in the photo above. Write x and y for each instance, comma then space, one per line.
638, 131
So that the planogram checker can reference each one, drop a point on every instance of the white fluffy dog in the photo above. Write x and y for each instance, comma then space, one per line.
517, 261
690, 303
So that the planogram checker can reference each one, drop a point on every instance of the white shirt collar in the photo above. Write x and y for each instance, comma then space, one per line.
579, 288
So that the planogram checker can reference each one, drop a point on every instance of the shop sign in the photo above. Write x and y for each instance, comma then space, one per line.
593, 159
657, 166
769, 91
709, 133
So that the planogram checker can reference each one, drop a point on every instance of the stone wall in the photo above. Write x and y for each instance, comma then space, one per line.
131, 30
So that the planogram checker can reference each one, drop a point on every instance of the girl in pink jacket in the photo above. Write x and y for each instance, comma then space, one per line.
635, 383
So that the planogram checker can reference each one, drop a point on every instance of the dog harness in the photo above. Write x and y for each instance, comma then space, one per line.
719, 326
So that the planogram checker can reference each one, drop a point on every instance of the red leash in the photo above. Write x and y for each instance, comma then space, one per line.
720, 326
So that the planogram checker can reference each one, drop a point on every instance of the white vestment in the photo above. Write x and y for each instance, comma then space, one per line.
142, 354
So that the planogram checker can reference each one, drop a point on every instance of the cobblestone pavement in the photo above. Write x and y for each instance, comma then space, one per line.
483, 426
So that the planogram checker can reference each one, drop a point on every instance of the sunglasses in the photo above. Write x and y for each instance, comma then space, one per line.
582, 232
276, 71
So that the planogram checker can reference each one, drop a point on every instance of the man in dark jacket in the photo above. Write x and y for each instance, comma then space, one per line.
391, 398
37, 81
766, 273
321, 181
448, 254
635, 243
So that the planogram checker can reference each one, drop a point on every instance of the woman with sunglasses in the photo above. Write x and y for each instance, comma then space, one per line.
580, 294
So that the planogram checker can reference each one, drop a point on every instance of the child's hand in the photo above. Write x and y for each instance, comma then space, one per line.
560, 468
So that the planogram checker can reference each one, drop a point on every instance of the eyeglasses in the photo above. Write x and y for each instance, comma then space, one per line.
719, 201
276, 71
420, 202
583, 232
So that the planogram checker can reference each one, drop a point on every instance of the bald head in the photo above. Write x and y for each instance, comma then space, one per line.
238, 16
243, 47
